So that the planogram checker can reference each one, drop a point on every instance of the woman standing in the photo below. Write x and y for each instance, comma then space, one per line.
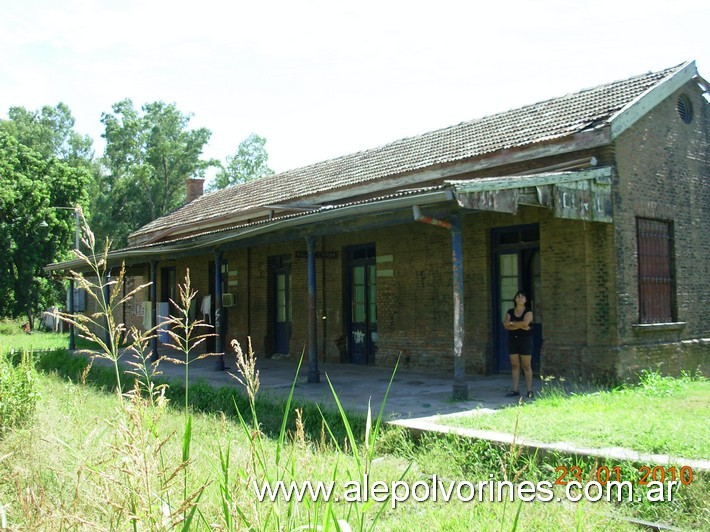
518, 322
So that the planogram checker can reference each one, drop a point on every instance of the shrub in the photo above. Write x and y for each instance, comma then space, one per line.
10, 327
18, 390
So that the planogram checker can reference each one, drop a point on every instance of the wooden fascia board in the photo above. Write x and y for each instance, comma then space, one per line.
297, 224
642, 104
602, 174
202, 225
702, 83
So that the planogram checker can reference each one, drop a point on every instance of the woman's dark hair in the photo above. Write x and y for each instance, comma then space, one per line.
522, 293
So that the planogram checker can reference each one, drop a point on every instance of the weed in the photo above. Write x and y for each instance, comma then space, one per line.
18, 390
654, 384
101, 327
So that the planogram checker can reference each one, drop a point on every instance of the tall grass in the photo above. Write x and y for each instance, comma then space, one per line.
146, 483
144, 492
138, 466
46, 486
18, 389
101, 328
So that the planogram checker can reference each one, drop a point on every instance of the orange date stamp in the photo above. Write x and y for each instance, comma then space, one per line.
646, 474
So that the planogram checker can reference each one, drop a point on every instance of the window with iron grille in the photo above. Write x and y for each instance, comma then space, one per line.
656, 276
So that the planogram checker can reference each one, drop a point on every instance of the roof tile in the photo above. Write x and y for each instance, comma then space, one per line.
585, 110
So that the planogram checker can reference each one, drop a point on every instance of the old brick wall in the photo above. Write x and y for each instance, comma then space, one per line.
588, 300
578, 290
663, 168
415, 292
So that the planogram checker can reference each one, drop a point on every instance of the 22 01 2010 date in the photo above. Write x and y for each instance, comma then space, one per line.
647, 474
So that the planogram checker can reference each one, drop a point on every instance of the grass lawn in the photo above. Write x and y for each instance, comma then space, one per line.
84, 462
660, 415
92, 460
37, 341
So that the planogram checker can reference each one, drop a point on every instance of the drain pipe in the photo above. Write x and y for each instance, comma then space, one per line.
460, 388
419, 217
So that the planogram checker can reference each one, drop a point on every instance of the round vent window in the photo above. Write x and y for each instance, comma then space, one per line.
685, 109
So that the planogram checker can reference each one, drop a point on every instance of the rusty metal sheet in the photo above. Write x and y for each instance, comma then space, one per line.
583, 200
490, 200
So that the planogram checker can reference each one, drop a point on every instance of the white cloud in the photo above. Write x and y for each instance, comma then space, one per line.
320, 78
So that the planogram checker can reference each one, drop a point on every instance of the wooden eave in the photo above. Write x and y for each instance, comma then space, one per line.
540, 150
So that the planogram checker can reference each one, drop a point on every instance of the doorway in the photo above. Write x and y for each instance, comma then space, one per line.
168, 292
280, 302
516, 266
361, 303
208, 308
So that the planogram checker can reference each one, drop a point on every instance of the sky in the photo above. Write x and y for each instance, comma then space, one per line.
320, 79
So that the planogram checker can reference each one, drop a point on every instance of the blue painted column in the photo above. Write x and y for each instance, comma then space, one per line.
72, 331
460, 388
313, 374
107, 297
72, 308
219, 315
154, 309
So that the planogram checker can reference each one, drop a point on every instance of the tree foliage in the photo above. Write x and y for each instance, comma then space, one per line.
250, 162
50, 132
45, 164
148, 157
31, 186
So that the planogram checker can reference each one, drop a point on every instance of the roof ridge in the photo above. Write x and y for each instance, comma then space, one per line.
663, 72
466, 122
547, 119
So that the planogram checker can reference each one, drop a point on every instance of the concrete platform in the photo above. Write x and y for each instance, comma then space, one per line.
413, 394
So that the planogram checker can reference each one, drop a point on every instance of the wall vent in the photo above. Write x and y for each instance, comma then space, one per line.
685, 108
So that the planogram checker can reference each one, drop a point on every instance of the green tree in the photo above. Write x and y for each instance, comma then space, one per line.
148, 157
250, 162
30, 186
50, 132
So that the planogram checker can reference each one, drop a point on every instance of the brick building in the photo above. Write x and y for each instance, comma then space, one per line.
596, 203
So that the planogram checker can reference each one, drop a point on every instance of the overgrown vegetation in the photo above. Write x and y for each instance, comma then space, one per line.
55, 467
137, 480
160, 456
18, 390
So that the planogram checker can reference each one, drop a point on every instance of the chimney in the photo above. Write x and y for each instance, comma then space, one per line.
194, 188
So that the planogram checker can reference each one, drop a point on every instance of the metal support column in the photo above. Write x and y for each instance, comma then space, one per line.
107, 297
313, 374
72, 331
154, 309
460, 388
72, 308
219, 314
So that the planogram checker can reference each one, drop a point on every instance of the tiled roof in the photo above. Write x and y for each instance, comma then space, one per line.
245, 226
586, 110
